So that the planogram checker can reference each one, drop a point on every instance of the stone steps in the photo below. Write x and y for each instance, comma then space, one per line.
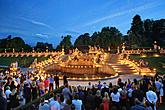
120, 68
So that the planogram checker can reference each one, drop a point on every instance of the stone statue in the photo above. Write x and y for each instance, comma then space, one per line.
155, 45
13, 50
123, 48
118, 49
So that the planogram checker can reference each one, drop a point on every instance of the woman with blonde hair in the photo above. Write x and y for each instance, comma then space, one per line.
105, 103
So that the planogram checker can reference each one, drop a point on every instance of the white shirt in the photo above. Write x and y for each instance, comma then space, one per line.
77, 103
151, 96
130, 90
115, 97
54, 105
8, 92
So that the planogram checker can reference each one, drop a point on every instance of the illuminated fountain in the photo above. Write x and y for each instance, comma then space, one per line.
78, 65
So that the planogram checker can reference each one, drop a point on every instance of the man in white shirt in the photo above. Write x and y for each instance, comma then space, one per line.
54, 103
44, 105
115, 97
77, 102
8, 92
152, 97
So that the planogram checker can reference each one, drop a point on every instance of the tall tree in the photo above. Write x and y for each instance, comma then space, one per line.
136, 32
148, 25
83, 41
108, 37
66, 43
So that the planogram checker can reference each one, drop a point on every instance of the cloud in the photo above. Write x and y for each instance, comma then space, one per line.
43, 36
140, 8
37, 23
72, 32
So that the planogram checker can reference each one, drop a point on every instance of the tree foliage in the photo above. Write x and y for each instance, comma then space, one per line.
108, 37
65, 43
17, 43
144, 33
40, 47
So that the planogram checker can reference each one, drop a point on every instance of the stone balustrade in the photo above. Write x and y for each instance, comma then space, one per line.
38, 54
139, 51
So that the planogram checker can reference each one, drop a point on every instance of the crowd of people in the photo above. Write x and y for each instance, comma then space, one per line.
146, 94
19, 89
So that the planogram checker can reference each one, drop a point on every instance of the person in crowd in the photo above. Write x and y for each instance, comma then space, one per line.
138, 105
56, 79
98, 99
120, 83
90, 101
27, 92
67, 93
106, 102
148, 106
8, 92
65, 79
163, 87
3, 101
89, 87
41, 87
137, 93
115, 96
152, 98
51, 84
62, 104
77, 102
34, 90
69, 105
44, 105
14, 101
54, 102
123, 97
46, 84
158, 88
99, 85
161, 91
104, 88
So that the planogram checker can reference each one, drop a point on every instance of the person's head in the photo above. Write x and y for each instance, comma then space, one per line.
68, 101
150, 88
98, 93
106, 95
90, 92
61, 98
135, 81
51, 94
8, 88
115, 90
119, 80
57, 97
42, 100
110, 84
76, 96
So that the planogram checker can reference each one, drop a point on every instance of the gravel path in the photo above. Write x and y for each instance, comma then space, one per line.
113, 80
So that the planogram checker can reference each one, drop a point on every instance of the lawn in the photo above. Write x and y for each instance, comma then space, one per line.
22, 61
154, 62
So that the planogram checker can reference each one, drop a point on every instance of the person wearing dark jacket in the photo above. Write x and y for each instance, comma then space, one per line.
138, 105
3, 101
